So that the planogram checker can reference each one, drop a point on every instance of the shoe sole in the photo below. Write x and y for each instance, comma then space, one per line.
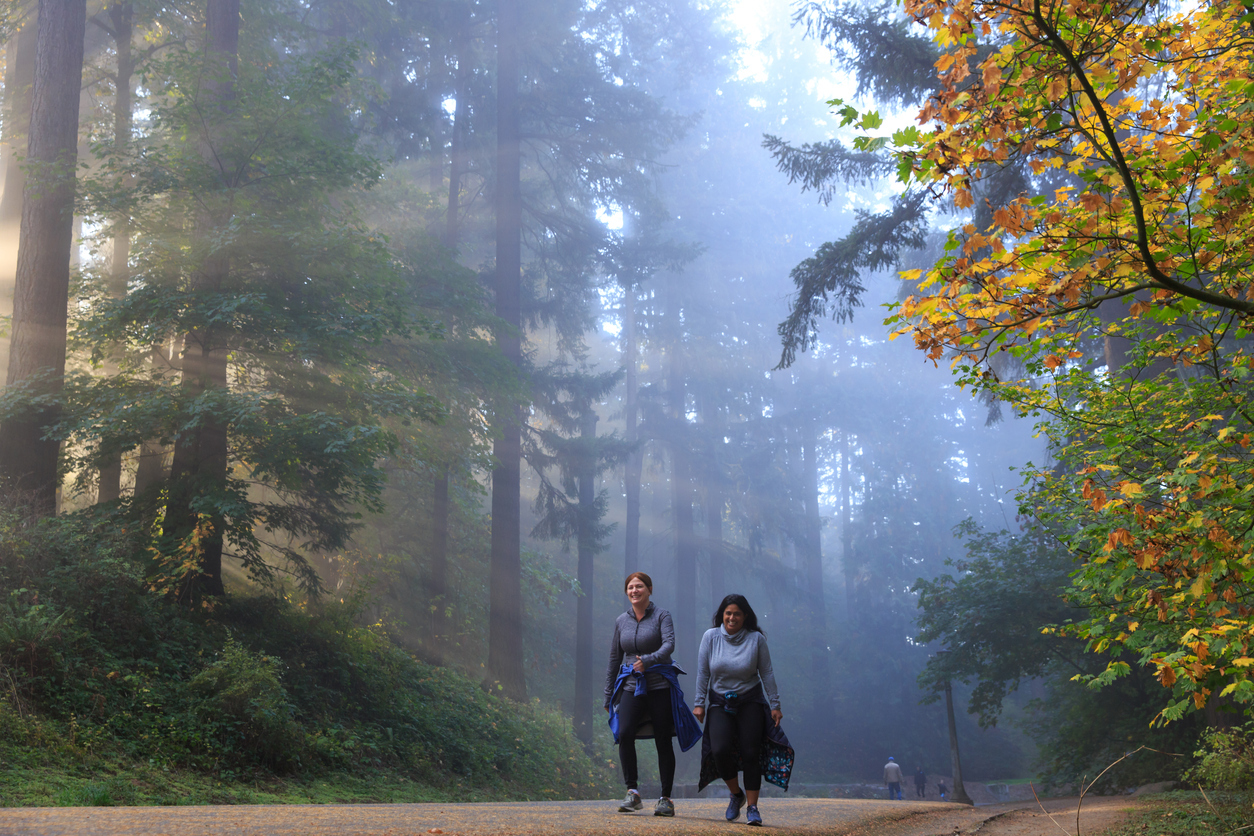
664, 815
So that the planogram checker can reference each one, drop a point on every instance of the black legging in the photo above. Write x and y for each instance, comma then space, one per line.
658, 703
738, 735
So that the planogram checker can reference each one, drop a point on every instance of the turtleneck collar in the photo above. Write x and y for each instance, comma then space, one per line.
647, 610
734, 638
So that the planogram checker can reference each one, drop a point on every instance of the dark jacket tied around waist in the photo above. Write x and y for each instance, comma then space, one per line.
777, 753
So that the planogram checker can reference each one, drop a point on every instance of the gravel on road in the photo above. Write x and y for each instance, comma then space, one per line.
694, 817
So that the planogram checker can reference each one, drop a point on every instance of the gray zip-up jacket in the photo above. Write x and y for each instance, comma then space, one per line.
652, 639
734, 663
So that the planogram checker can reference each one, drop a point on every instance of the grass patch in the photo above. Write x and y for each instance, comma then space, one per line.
1189, 813
113, 695
30, 778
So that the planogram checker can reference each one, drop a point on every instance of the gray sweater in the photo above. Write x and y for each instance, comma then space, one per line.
734, 663
651, 639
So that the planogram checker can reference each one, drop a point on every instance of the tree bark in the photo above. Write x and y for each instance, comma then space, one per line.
121, 16
715, 548
685, 594
812, 564
846, 529
505, 646
634, 469
440, 506
584, 691
200, 454
458, 158
958, 792
19, 78
439, 563
41, 295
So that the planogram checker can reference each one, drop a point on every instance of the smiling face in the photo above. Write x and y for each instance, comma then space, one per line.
733, 619
637, 593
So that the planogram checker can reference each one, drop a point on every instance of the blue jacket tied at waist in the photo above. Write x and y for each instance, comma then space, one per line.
686, 728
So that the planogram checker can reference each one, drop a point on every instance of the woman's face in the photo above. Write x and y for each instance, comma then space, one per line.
637, 592
733, 618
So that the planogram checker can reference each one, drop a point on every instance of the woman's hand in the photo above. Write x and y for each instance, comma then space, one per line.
699, 713
776, 715
638, 665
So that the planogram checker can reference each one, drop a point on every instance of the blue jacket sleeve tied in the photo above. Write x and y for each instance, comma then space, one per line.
686, 727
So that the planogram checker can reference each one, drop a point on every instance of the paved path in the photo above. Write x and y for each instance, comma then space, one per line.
801, 816
696, 817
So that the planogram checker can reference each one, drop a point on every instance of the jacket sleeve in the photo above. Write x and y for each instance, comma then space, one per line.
703, 669
767, 673
666, 626
616, 661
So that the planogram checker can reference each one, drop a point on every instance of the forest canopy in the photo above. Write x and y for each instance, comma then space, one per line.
359, 350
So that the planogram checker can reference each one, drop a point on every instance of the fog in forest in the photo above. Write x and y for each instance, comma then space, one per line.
670, 185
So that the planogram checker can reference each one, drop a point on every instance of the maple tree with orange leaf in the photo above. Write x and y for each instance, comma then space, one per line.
1125, 296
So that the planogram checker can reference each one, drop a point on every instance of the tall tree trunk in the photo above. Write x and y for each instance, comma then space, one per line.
846, 529
458, 158
151, 468
200, 454
440, 506
439, 562
584, 693
19, 78
121, 16
718, 549
505, 617
685, 593
634, 469
41, 295
812, 564
715, 548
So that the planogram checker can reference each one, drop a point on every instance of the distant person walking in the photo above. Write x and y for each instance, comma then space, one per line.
642, 693
920, 783
892, 777
942, 789
738, 701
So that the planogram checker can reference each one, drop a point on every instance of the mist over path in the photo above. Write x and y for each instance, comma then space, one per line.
808, 816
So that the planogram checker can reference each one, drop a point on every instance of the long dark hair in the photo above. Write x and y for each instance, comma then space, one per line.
751, 618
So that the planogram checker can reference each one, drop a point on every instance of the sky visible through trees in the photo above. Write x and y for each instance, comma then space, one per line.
461, 311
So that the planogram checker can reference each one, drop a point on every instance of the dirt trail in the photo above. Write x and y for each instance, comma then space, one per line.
696, 817
1097, 815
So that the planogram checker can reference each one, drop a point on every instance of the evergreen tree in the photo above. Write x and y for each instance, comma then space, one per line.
37, 348
572, 509
256, 264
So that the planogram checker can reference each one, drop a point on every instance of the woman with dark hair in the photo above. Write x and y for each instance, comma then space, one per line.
642, 694
742, 732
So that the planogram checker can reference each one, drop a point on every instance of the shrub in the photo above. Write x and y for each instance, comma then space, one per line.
1227, 761
244, 702
248, 685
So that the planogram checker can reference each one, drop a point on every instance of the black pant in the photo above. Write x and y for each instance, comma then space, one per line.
630, 708
741, 734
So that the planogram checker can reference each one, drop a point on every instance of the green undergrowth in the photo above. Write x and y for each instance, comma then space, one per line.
111, 693
1194, 813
